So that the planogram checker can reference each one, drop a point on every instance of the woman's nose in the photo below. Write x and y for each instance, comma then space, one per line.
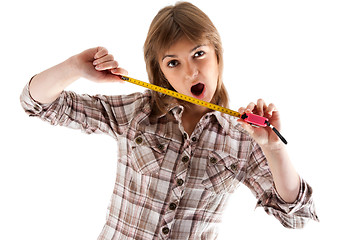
191, 71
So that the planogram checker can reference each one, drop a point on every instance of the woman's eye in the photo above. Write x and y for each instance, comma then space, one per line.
173, 63
199, 54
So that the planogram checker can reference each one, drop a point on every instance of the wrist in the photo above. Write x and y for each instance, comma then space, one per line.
273, 147
275, 152
73, 66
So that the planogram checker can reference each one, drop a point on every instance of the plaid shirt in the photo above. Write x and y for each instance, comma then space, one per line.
170, 185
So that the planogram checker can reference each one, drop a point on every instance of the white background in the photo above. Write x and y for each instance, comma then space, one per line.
55, 183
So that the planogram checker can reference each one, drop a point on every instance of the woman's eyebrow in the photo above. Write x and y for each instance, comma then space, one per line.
171, 56
198, 46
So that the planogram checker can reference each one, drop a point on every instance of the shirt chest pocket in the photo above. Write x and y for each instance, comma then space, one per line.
148, 151
223, 173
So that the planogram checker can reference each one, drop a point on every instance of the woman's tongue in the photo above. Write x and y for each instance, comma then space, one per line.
197, 89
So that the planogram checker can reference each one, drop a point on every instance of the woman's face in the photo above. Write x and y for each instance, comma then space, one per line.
191, 69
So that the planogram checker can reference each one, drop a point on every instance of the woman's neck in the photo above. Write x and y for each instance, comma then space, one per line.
191, 116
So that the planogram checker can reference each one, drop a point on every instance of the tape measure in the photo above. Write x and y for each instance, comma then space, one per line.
253, 119
181, 96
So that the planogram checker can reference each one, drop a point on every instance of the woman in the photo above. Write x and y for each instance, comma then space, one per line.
178, 163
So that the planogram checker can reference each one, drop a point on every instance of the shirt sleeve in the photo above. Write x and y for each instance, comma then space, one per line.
260, 181
91, 114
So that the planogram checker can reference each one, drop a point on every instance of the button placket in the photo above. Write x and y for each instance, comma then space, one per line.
170, 216
177, 191
179, 184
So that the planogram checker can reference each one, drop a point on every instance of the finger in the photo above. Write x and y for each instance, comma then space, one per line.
276, 115
260, 107
250, 107
101, 51
270, 110
106, 58
241, 110
119, 71
107, 65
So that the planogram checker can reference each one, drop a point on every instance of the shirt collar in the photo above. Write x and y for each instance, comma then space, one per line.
222, 118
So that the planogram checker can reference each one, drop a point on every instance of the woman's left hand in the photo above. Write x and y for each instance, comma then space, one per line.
264, 136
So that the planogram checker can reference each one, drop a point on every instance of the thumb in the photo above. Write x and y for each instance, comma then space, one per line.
119, 71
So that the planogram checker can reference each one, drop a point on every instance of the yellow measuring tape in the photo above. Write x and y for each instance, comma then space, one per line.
250, 118
181, 96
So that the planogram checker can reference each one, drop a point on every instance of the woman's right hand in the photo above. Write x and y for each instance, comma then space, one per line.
96, 64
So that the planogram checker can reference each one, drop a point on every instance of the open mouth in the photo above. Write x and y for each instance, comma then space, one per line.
198, 89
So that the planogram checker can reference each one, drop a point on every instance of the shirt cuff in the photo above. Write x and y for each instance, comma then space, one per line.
30, 105
290, 208
303, 207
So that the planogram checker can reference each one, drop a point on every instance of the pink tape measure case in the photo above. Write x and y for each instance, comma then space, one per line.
255, 119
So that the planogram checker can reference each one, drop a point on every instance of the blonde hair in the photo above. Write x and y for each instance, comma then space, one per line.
169, 25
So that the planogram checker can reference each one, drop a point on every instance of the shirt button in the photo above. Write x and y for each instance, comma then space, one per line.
185, 136
180, 182
172, 206
185, 159
193, 139
213, 160
233, 167
165, 230
139, 140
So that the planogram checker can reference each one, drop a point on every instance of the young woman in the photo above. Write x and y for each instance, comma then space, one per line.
177, 163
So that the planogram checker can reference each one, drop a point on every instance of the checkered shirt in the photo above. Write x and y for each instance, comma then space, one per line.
170, 185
